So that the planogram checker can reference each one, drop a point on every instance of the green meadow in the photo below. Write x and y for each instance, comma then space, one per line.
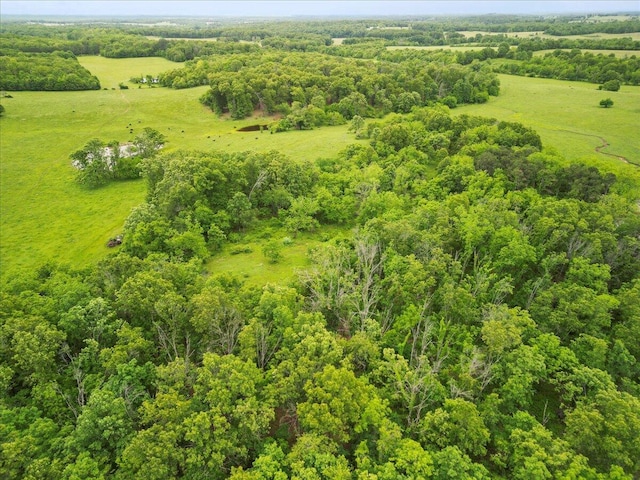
540, 34
616, 53
538, 53
46, 216
568, 117
247, 260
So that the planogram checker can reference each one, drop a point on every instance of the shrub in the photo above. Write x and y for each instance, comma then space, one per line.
273, 251
611, 85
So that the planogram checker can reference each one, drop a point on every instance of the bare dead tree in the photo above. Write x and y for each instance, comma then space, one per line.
481, 368
262, 177
369, 267
266, 346
75, 362
330, 285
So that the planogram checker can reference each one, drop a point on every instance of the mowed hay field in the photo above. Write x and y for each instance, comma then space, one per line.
540, 34
567, 115
616, 53
46, 216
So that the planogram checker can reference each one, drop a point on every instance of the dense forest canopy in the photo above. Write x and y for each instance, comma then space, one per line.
44, 71
471, 312
271, 82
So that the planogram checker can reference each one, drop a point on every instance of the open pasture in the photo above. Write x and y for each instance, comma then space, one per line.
45, 215
112, 72
540, 34
568, 117
454, 48
617, 53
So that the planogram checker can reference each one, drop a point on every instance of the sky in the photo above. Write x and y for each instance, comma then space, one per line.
281, 8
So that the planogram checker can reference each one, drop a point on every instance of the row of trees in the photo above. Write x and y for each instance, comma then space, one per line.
577, 65
111, 42
44, 71
475, 318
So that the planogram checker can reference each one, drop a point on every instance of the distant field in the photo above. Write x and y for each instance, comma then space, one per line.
567, 117
455, 48
44, 215
609, 18
112, 72
208, 39
617, 53
466, 48
540, 34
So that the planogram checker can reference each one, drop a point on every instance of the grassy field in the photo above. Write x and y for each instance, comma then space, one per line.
567, 115
539, 53
455, 48
45, 215
617, 53
540, 34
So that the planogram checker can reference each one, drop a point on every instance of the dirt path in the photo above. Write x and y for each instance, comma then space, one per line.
605, 144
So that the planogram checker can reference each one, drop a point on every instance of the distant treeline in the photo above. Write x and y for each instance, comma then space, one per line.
44, 71
117, 40
575, 65
364, 39
113, 43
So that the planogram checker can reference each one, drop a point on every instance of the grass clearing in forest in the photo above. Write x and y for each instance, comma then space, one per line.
45, 215
247, 261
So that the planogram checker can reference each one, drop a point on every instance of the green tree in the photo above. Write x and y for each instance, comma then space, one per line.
606, 103
357, 122
103, 428
451, 463
148, 142
457, 423
339, 405
607, 431
300, 215
93, 164
503, 50
240, 211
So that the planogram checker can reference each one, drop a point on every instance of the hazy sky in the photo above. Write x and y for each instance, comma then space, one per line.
308, 7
